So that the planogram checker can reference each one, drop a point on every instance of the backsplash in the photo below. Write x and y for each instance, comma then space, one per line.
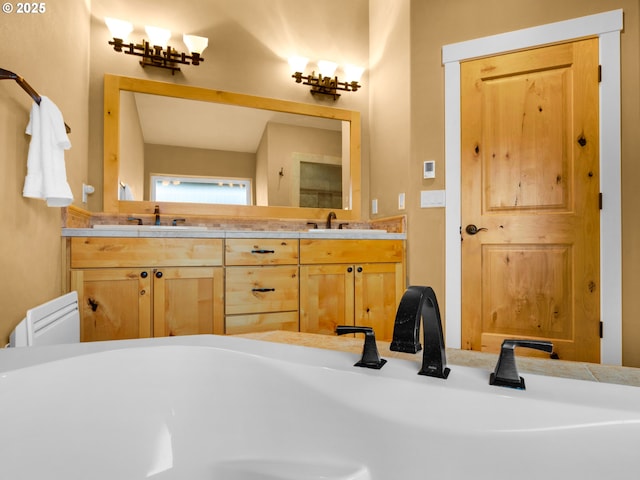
74, 217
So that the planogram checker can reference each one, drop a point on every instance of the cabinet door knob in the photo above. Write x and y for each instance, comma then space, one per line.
144, 274
158, 274
359, 269
350, 269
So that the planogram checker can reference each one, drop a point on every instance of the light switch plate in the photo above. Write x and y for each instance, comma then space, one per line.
432, 198
374, 206
401, 201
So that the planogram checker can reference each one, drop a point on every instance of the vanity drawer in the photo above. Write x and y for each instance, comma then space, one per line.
261, 322
104, 252
323, 251
261, 289
261, 251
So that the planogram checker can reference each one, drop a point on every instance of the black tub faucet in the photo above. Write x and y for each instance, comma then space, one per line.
370, 356
506, 371
331, 216
156, 212
416, 303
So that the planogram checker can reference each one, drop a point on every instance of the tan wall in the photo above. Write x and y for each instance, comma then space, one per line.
284, 142
132, 142
38, 47
435, 23
161, 159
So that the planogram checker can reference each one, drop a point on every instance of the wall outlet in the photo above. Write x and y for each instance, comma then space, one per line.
374, 206
401, 201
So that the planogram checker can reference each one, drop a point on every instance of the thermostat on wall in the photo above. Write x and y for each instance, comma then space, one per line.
429, 170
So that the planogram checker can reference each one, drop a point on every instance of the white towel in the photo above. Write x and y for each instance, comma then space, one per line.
46, 175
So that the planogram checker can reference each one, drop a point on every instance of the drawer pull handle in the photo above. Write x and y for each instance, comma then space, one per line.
263, 289
263, 251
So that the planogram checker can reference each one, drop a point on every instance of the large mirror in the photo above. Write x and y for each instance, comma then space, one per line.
290, 160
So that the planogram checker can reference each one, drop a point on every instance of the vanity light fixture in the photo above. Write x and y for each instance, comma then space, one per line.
326, 81
156, 52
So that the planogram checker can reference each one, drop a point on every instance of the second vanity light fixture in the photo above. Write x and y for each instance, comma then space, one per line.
326, 82
156, 52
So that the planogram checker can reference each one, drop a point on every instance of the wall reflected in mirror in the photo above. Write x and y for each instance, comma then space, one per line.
284, 159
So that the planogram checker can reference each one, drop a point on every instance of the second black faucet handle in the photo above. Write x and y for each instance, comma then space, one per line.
370, 356
506, 371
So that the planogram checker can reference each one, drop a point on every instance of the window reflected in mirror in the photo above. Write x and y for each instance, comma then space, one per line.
209, 190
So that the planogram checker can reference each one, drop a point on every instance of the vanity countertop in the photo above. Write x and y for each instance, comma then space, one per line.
177, 232
487, 361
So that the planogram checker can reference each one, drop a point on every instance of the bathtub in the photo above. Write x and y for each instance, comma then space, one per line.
209, 407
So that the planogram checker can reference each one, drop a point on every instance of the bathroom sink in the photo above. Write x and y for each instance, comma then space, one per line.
151, 228
346, 231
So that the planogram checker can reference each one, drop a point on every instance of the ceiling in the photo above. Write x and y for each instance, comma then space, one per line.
214, 126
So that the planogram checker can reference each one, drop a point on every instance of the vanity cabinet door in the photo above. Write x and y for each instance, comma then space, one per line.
377, 293
358, 294
115, 303
187, 301
326, 297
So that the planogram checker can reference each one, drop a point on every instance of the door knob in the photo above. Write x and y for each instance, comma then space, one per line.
471, 229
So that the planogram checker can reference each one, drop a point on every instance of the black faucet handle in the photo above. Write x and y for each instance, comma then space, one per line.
370, 356
135, 219
506, 371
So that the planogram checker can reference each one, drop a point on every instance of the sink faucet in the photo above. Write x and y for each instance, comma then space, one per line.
331, 216
156, 212
420, 302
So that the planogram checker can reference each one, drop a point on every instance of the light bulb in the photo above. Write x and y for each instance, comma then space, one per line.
353, 73
158, 36
118, 28
195, 44
298, 64
327, 69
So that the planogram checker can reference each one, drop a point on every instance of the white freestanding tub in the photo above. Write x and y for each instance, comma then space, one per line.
226, 408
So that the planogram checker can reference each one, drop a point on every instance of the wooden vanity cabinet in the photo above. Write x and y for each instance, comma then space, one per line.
261, 284
143, 287
346, 282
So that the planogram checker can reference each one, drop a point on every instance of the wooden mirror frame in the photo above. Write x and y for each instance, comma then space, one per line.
114, 84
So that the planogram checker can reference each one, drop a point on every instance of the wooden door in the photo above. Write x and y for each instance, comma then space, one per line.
115, 303
187, 301
377, 292
326, 297
530, 184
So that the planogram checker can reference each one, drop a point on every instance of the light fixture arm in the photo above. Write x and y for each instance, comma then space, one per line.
323, 85
157, 56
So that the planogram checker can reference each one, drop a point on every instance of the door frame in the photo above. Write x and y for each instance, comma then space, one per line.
606, 26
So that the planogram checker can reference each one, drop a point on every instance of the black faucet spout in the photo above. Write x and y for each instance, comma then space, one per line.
421, 303
331, 216
156, 212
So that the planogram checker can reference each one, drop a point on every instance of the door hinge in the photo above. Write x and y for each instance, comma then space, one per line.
600, 200
599, 73
601, 330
